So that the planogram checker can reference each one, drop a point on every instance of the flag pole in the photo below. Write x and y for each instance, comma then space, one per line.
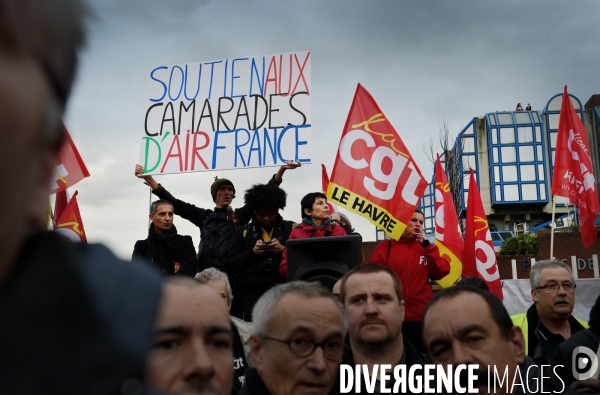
552, 227
149, 202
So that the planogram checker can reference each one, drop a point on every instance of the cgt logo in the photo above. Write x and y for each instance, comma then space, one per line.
584, 363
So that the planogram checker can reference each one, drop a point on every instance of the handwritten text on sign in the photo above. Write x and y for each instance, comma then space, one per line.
226, 114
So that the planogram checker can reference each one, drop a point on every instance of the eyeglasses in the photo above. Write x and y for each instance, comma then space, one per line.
568, 287
304, 347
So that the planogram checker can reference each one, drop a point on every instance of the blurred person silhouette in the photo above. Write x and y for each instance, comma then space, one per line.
74, 319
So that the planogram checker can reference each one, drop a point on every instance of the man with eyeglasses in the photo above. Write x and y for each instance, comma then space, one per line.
297, 341
549, 322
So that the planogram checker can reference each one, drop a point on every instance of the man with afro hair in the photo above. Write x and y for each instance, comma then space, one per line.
257, 248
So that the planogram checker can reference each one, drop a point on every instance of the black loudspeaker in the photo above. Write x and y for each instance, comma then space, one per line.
323, 259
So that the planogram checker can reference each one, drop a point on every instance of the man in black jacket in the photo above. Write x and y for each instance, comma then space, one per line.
257, 248
74, 319
217, 226
372, 298
172, 253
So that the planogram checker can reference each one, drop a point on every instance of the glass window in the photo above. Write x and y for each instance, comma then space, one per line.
541, 173
528, 173
529, 191
542, 192
538, 134
505, 118
509, 173
468, 145
525, 134
526, 153
469, 130
553, 121
507, 136
496, 173
494, 133
466, 198
509, 154
498, 193
536, 119
553, 155
540, 155
495, 154
522, 117
555, 104
553, 137
575, 103
468, 162
427, 201
492, 119
428, 223
511, 193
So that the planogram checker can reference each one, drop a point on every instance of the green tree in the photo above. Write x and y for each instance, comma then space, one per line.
520, 245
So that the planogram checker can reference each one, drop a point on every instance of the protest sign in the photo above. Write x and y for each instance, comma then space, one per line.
227, 114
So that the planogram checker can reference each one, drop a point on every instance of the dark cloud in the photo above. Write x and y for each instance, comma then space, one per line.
423, 61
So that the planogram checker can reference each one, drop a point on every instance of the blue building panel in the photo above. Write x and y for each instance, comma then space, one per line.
517, 157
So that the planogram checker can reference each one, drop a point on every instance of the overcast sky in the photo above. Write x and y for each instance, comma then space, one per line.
423, 62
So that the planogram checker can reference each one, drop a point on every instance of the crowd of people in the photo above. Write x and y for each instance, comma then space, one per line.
74, 319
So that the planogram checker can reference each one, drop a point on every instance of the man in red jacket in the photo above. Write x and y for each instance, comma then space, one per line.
415, 260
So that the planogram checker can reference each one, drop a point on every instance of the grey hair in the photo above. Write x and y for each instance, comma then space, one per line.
212, 274
535, 275
157, 203
262, 314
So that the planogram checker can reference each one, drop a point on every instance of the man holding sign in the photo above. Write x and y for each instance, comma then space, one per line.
217, 226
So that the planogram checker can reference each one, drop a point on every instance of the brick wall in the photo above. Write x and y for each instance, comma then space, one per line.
566, 244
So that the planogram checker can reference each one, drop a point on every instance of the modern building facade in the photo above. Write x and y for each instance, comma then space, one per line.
512, 155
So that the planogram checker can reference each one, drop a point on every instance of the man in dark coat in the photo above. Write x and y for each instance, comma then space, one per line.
257, 248
74, 319
372, 298
218, 225
170, 252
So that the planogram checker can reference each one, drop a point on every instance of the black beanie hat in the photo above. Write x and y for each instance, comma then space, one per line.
215, 186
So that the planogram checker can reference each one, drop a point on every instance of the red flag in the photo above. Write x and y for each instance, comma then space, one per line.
573, 175
324, 178
70, 224
374, 174
69, 168
60, 204
479, 257
448, 237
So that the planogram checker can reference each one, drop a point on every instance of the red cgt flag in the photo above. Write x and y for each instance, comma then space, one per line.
448, 237
374, 175
479, 257
70, 224
69, 168
573, 176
